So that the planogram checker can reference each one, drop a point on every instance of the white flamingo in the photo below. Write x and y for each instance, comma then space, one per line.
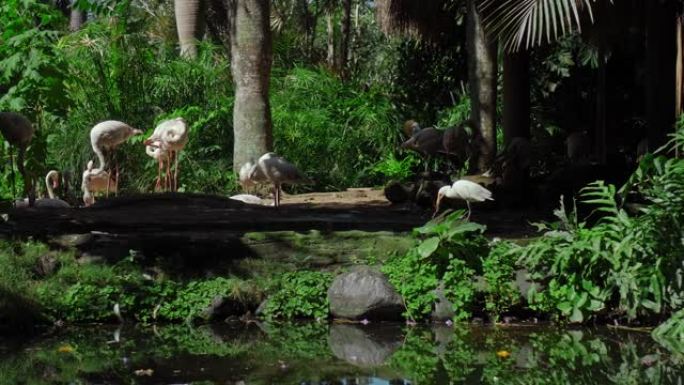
96, 180
171, 136
51, 182
106, 137
250, 176
464, 190
278, 171
156, 151
18, 131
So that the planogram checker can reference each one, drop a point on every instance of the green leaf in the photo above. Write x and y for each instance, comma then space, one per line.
428, 246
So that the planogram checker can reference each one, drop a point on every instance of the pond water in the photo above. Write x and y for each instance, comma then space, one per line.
339, 354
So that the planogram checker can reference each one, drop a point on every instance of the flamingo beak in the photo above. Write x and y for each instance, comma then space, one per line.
147, 142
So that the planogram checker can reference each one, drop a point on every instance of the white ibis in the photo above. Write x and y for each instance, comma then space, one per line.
248, 198
250, 176
18, 131
278, 171
106, 137
172, 136
464, 190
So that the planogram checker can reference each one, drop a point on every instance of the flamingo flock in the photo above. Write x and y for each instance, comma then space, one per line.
164, 145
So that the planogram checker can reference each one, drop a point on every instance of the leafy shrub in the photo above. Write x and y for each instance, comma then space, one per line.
333, 131
395, 169
499, 269
448, 250
302, 294
629, 265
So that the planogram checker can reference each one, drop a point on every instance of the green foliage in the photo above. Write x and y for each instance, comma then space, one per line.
671, 332
624, 264
417, 357
332, 130
394, 169
30, 75
499, 270
302, 294
447, 251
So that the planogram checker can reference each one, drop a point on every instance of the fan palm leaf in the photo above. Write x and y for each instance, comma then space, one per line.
527, 23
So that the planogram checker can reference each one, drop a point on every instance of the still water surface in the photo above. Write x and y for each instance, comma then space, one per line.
346, 354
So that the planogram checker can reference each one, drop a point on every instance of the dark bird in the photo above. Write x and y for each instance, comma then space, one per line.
18, 131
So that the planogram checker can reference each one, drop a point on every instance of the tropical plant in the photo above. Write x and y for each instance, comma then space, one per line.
447, 251
526, 23
299, 295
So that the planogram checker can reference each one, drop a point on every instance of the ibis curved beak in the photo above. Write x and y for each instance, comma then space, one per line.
439, 199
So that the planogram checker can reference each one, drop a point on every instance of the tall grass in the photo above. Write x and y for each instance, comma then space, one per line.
332, 130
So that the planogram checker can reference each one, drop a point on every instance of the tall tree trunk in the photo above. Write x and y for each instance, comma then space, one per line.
355, 36
331, 39
516, 98
190, 21
76, 17
251, 51
661, 56
482, 70
346, 37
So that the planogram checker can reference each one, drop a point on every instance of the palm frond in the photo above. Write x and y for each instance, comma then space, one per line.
527, 23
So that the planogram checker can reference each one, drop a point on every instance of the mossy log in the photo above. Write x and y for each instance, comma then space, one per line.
165, 213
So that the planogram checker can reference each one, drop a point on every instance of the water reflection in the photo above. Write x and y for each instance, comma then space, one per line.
340, 354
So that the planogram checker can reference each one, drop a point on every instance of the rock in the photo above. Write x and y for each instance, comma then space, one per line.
46, 265
444, 309
395, 192
71, 240
364, 346
222, 308
364, 293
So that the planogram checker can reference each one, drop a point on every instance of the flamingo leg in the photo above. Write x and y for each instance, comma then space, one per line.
175, 171
157, 186
14, 182
169, 175
108, 177
116, 179
468, 217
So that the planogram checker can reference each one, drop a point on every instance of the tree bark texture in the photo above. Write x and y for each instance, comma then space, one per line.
190, 22
331, 39
76, 17
661, 57
482, 72
346, 37
516, 89
251, 51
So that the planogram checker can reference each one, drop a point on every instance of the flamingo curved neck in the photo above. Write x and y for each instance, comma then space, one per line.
100, 156
48, 185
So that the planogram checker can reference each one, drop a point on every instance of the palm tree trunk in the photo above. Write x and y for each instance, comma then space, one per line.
190, 22
76, 17
482, 73
331, 39
516, 89
346, 37
251, 50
